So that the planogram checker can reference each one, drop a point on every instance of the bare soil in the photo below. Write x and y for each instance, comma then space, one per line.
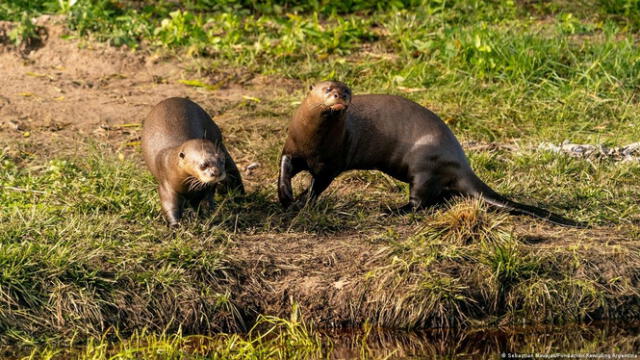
65, 91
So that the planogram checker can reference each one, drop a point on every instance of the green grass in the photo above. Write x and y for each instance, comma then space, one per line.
79, 252
83, 247
497, 71
463, 265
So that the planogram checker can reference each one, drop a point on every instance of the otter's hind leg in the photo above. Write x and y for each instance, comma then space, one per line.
426, 190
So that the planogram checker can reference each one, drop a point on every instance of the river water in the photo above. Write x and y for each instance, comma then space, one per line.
601, 340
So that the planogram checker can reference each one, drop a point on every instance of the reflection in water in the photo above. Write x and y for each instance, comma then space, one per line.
615, 341
596, 338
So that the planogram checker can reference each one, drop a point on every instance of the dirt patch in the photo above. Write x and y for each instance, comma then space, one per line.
68, 90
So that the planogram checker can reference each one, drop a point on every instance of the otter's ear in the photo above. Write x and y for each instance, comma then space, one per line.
310, 87
181, 155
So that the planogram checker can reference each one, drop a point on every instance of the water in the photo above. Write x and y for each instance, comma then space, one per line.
602, 340
595, 341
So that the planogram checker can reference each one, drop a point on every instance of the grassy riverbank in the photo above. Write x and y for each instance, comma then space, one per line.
84, 250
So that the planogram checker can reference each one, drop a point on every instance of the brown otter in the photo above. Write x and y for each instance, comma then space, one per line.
333, 131
183, 149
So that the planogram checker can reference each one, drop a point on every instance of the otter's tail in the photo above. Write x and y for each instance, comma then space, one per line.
472, 185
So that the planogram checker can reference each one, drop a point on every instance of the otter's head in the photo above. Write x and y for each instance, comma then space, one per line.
331, 96
203, 161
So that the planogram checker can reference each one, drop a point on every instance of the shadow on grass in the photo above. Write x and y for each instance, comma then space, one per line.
259, 212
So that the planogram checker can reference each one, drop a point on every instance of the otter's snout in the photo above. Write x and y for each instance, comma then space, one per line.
212, 171
338, 95
338, 100
212, 174
334, 95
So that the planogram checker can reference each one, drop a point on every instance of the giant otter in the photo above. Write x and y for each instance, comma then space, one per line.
183, 149
333, 131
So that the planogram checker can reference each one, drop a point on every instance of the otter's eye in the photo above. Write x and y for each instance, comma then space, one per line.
203, 166
181, 155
